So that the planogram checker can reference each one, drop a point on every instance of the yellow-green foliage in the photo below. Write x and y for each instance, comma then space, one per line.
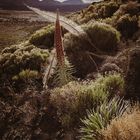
43, 37
126, 127
26, 75
72, 101
20, 57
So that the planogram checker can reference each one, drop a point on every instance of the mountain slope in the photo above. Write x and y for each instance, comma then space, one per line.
73, 2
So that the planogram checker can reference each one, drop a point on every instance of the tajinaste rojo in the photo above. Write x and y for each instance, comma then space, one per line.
63, 72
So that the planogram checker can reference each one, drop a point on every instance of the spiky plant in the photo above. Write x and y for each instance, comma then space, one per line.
99, 118
63, 70
63, 74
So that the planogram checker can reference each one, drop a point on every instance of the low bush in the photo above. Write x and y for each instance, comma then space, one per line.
14, 60
103, 36
126, 127
43, 37
127, 25
72, 101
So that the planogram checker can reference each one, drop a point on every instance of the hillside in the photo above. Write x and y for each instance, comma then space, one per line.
88, 90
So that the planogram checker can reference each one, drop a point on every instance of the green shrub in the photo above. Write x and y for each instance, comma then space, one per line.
15, 59
99, 118
103, 36
72, 101
43, 37
127, 25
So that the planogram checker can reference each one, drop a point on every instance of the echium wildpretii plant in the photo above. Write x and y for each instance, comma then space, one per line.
63, 69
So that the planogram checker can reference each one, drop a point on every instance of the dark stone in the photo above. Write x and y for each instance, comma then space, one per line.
132, 79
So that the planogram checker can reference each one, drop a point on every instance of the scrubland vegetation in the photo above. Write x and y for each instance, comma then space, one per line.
102, 100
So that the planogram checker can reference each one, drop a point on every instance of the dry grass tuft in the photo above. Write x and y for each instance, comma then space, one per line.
126, 127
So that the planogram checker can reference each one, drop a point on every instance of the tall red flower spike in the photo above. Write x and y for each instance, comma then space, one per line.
58, 43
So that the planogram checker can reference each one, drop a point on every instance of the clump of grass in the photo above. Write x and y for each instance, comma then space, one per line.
99, 118
126, 127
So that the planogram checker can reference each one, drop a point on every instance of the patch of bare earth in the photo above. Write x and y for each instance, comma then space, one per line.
17, 26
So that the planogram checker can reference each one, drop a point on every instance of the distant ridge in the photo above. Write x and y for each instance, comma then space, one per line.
71, 2
50, 5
